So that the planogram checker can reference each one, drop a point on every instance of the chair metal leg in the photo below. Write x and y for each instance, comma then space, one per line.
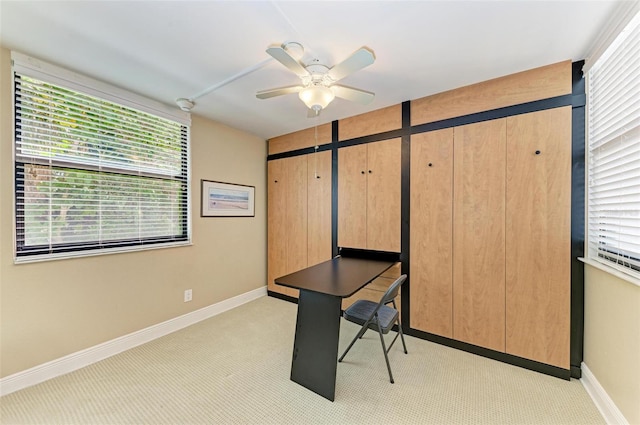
358, 336
386, 357
402, 336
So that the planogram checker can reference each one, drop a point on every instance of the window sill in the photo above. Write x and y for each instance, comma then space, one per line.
81, 254
611, 270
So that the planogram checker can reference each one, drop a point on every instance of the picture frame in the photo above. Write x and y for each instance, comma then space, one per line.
219, 199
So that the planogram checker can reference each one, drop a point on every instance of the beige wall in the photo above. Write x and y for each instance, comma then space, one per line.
54, 308
612, 338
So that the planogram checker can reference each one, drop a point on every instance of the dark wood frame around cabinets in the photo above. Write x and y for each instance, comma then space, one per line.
576, 99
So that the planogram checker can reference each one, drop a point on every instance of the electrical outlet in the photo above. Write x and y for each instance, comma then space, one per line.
188, 295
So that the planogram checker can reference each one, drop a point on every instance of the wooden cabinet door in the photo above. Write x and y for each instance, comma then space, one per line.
431, 267
296, 213
319, 207
538, 236
276, 223
383, 195
352, 197
479, 237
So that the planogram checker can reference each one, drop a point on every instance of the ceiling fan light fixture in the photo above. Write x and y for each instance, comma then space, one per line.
316, 97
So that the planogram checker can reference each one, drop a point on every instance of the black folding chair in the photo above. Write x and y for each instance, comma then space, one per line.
379, 317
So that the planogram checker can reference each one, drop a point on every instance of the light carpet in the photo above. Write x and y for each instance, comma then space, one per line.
234, 369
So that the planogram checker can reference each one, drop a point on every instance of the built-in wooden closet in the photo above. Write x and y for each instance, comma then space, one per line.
490, 220
472, 186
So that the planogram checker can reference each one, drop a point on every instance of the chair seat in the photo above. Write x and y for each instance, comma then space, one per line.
361, 310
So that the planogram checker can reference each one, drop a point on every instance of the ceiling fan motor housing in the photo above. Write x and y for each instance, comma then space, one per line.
318, 75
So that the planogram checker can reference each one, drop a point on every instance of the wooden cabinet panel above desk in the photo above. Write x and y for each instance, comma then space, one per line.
369, 195
352, 197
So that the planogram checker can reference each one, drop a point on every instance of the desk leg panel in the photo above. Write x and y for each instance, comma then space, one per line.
315, 350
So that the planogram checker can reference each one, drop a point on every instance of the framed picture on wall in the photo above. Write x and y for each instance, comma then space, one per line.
226, 199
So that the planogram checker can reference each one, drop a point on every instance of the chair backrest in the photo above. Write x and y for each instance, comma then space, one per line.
393, 290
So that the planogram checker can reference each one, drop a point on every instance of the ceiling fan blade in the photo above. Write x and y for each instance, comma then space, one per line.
355, 95
358, 60
282, 56
266, 94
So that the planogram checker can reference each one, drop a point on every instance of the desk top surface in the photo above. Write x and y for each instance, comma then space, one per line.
340, 277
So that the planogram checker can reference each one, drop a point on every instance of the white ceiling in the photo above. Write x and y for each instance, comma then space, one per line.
173, 49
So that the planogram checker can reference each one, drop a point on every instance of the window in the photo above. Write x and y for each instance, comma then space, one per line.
613, 99
94, 175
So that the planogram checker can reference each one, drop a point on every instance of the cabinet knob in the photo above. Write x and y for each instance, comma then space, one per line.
362, 172
538, 152
317, 177
430, 164
275, 181
369, 171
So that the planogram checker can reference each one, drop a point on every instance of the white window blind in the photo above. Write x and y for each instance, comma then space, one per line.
91, 174
613, 99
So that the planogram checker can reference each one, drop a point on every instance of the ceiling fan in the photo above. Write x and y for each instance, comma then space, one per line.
318, 88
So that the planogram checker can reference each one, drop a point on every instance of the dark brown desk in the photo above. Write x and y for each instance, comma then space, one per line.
322, 288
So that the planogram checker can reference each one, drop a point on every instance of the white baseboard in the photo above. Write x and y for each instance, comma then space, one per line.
608, 409
99, 352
